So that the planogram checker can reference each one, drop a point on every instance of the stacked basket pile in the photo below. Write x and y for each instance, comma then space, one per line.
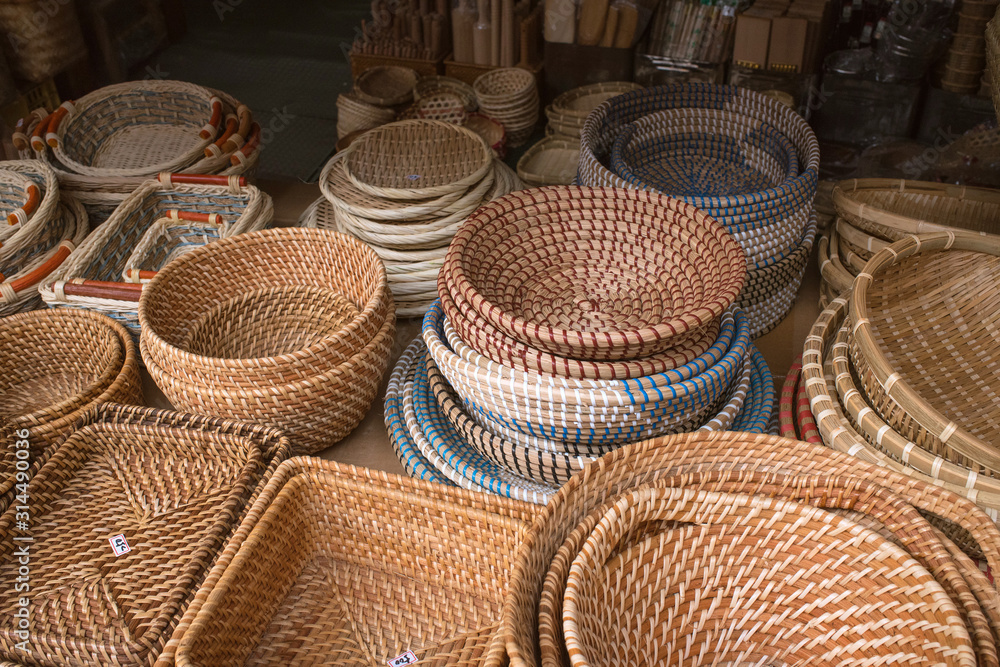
105, 144
966, 57
405, 189
379, 94
874, 212
287, 327
510, 96
729, 548
744, 158
571, 321
41, 227
901, 370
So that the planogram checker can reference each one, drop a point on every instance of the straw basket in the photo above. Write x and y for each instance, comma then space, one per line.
549, 162
355, 114
435, 595
42, 38
653, 519
290, 327
569, 110
431, 85
386, 86
93, 276
120, 548
509, 95
490, 130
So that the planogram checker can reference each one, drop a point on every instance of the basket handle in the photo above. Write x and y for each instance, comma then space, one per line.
215, 150
193, 216
239, 158
198, 179
47, 267
19, 216
99, 289
38, 136
212, 127
20, 137
238, 139
66, 108
136, 276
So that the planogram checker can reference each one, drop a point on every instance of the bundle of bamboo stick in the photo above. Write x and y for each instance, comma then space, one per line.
500, 33
406, 29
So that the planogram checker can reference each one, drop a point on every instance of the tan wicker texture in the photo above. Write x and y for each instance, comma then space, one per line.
391, 565
549, 162
431, 85
569, 110
492, 131
386, 86
355, 114
510, 95
993, 57
42, 39
290, 327
173, 486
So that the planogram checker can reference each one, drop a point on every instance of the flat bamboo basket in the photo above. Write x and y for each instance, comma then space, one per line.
408, 568
119, 546
549, 162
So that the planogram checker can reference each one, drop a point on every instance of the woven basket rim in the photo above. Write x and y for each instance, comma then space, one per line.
366, 88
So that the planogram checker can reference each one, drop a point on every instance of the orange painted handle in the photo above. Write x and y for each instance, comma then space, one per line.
216, 148
135, 276
203, 179
38, 136
22, 214
47, 267
57, 116
209, 130
237, 140
240, 156
99, 289
193, 216
20, 137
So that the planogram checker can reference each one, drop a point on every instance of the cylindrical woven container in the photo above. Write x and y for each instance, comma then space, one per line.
355, 114
510, 95
437, 594
993, 57
90, 508
93, 275
41, 38
290, 327
677, 504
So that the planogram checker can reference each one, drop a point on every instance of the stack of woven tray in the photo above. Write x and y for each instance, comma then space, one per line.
874, 212
41, 228
742, 157
568, 112
750, 549
286, 327
900, 370
105, 144
161, 220
405, 189
510, 95
571, 321
966, 57
378, 95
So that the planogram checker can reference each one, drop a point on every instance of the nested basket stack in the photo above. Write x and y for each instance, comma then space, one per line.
378, 95
55, 365
901, 369
287, 327
405, 189
572, 321
744, 158
568, 112
105, 144
510, 96
965, 60
393, 567
41, 227
750, 549
126, 519
160, 221
872, 213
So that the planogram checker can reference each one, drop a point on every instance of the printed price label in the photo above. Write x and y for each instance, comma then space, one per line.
407, 658
119, 544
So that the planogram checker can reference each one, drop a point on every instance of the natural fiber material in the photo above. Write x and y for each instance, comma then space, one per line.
42, 39
634, 498
386, 86
315, 325
356, 115
993, 57
947, 280
569, 110
118, 474
510, 95
492, 132
570, 301
431, 85
356, 591
105, 254
549, 162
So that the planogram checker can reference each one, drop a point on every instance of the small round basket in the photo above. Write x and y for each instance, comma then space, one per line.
490, 130
549, 162
431, 85
386, 86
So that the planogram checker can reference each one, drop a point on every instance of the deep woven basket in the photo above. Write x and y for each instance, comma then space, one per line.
356, 115
579, 309
610, 502
113, 481
438, 593
430, 85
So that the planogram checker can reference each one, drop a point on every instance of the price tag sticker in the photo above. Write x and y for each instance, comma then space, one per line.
407, 658
119, 544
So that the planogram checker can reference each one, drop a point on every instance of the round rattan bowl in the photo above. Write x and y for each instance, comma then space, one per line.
593, 273
509, 95
430, 85
551, 161
386, 86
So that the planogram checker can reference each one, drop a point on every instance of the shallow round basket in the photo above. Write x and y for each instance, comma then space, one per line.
492, 131
579, 102
58, 363
414, 159
138, 128
892, 209
443, 105
431, 85
549, 162
921, 316
504, 85
386, 86
517, 263
269, 307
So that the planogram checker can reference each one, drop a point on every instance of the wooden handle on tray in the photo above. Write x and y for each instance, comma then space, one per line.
215, 149
212, 127
19, 216
194, 216
38, 136
136, 276
241, 156
51, 138
200, 179
47, 267
99, 289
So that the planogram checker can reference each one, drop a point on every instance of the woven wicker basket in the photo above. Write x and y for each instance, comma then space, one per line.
510, 95
92, 276
490, 130
592, 220
549, 162
386, 86
42, 39
431, 85
239, 328
354, 115
437, 593
444, 105
776, 478
114, 481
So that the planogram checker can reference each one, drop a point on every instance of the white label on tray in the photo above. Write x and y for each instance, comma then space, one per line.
407, 658
119, 544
